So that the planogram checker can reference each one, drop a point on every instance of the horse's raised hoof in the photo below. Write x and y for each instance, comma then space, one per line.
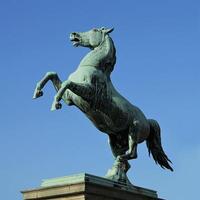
37, 94
56, 106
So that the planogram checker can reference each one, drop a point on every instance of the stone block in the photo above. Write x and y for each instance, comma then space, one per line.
87, 187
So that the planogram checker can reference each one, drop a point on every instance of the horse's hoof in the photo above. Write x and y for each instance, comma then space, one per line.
120, 158
37, 93
56, 106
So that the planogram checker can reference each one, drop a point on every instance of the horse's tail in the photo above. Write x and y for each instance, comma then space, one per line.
155, 147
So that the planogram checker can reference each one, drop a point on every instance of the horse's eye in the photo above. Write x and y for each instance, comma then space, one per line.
95, 30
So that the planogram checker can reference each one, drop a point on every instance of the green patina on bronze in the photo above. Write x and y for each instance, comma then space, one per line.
90, 89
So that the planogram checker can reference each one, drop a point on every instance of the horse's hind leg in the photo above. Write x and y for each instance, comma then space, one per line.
118, 151
132, 142
120, 167
48, 76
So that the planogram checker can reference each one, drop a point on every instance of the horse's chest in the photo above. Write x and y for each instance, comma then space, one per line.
83, 75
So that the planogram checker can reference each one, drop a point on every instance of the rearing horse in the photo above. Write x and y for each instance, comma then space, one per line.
90, 89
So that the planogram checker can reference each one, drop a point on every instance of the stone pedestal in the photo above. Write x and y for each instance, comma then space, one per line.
87, 187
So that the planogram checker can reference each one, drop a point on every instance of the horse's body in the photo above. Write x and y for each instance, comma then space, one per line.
104, 119
91, 90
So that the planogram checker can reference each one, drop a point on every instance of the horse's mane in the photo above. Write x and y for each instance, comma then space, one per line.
111, 57
102, 57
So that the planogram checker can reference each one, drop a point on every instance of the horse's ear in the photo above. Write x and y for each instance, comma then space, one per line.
109, 30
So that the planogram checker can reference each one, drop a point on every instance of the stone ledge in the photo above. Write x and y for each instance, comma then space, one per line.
86, 186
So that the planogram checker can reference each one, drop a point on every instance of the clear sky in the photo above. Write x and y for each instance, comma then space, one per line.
157, 69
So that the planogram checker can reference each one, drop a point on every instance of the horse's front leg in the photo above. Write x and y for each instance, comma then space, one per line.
48, 76
83, 90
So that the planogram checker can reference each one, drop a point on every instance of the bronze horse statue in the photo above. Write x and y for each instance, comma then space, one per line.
90, 89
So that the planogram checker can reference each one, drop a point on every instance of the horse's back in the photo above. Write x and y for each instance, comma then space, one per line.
134, 114
125, 105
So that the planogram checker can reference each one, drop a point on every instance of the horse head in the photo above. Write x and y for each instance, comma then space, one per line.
92, 38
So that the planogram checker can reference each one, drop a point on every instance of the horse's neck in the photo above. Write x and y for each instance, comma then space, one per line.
100, 55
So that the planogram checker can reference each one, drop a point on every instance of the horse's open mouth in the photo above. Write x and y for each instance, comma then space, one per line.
75, 39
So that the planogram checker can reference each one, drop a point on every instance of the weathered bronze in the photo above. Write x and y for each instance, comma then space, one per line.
90, 89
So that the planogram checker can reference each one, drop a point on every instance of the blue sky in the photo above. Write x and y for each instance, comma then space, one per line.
157, 69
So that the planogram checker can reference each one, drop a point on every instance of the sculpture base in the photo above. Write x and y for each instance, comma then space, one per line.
89, 187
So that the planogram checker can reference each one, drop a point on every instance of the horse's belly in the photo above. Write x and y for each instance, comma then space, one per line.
101, 121
97, 118
104, 122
